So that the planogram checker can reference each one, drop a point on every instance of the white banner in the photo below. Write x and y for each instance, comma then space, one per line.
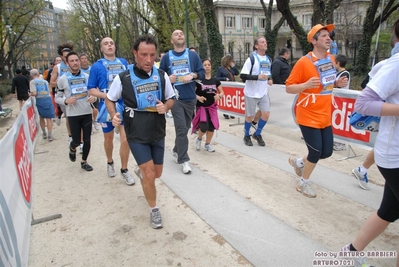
16, 162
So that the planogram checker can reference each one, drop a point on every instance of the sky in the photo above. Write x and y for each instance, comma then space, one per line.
60, 3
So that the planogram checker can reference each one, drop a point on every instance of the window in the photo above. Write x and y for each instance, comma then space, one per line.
307, 19
262, 23
247, 22
230, 22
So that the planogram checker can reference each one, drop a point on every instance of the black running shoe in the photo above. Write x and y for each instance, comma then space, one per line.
72, 155
259, 139
85, 166
247, 141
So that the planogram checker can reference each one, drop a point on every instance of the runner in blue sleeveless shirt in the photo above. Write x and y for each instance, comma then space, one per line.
183, 67
102, 74
148, 95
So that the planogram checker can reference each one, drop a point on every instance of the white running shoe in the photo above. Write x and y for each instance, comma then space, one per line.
95, 124
129, 179
175, 156
110, 170
363, 179
209, 148
138, 173
186, 167
197, 144
58, 121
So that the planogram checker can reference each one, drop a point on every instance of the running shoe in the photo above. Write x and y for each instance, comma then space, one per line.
186, 167
358, 261
72, 155
129, 179
259, 139
85, 166
197, 144
44, 135
293, 163
247, 140
363, 180
81, 149
209, 148
174, 154
305, 189
110, 170
138, 173
95, 124
156, 219
58, 121
50, 137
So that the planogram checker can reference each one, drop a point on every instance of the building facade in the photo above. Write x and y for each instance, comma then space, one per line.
240, 24
51, 20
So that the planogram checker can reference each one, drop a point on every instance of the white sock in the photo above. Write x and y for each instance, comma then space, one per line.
153, 208
299, 162
302, 181
362, 169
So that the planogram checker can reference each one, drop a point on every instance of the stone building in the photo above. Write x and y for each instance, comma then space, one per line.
240, 23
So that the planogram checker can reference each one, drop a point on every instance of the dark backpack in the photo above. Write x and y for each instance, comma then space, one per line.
252, 58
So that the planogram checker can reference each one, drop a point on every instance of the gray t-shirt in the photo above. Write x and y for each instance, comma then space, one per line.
80, 107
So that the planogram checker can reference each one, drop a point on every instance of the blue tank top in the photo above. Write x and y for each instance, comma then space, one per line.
42, 89
147, 91
113, 68
264, 66
325, 68
63, 68
179, 65
77, 85
87, 71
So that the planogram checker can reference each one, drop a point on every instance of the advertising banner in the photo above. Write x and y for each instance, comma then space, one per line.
16, 161
233, 103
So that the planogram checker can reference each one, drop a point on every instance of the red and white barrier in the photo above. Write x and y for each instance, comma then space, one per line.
233, 103
16, 162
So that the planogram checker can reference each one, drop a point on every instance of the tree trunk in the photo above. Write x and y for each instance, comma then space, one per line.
370, 26
271, 34
214, 36
284, 8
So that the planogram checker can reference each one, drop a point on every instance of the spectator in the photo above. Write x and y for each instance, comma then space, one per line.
281, 69
20, 87
227, 72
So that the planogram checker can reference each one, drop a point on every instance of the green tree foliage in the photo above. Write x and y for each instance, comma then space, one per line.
214, 36
271, 34
322, 13
284, 7
21, 18
371, 23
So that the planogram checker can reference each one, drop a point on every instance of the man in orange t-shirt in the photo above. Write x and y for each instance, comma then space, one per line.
313, 78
